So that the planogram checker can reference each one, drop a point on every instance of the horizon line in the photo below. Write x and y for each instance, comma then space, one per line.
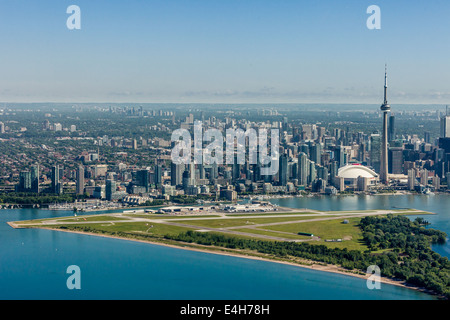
209, 103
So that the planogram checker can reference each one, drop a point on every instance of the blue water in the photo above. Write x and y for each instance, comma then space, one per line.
33, 264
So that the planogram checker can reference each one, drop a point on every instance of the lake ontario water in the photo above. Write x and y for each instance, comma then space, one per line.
34, 262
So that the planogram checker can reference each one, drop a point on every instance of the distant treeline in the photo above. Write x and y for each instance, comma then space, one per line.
35, 198
184, 199
408, 255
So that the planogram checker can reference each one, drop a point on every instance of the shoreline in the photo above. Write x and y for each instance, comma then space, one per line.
243, 198
315, 265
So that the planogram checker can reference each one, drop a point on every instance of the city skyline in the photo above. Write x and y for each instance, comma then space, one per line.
230, 52
317, 152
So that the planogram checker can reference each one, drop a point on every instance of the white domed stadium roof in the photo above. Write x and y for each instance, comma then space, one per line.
353, 171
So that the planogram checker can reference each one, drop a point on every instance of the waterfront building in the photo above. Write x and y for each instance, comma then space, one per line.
229, 194
339, 183
267, 187
411, 179
362, 183
351, 172
424, 177
330, 190
436, 183
318, 185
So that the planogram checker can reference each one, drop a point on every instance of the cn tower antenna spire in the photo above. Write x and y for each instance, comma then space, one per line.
385, 84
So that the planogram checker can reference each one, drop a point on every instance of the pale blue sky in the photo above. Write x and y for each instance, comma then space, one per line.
224, 51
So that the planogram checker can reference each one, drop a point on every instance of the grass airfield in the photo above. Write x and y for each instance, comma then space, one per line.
334, 229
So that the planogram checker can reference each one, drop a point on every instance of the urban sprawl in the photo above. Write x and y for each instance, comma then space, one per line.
93, 156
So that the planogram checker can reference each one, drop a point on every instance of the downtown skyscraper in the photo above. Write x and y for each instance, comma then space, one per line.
283, 170
445, 125
80, 180
56, 186
176, 174
303, 169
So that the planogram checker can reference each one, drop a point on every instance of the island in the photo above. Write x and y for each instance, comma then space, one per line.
334, 241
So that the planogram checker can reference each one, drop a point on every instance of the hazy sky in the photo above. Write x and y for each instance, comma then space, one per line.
224, 51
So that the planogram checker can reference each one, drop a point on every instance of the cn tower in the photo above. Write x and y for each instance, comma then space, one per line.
385, 108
